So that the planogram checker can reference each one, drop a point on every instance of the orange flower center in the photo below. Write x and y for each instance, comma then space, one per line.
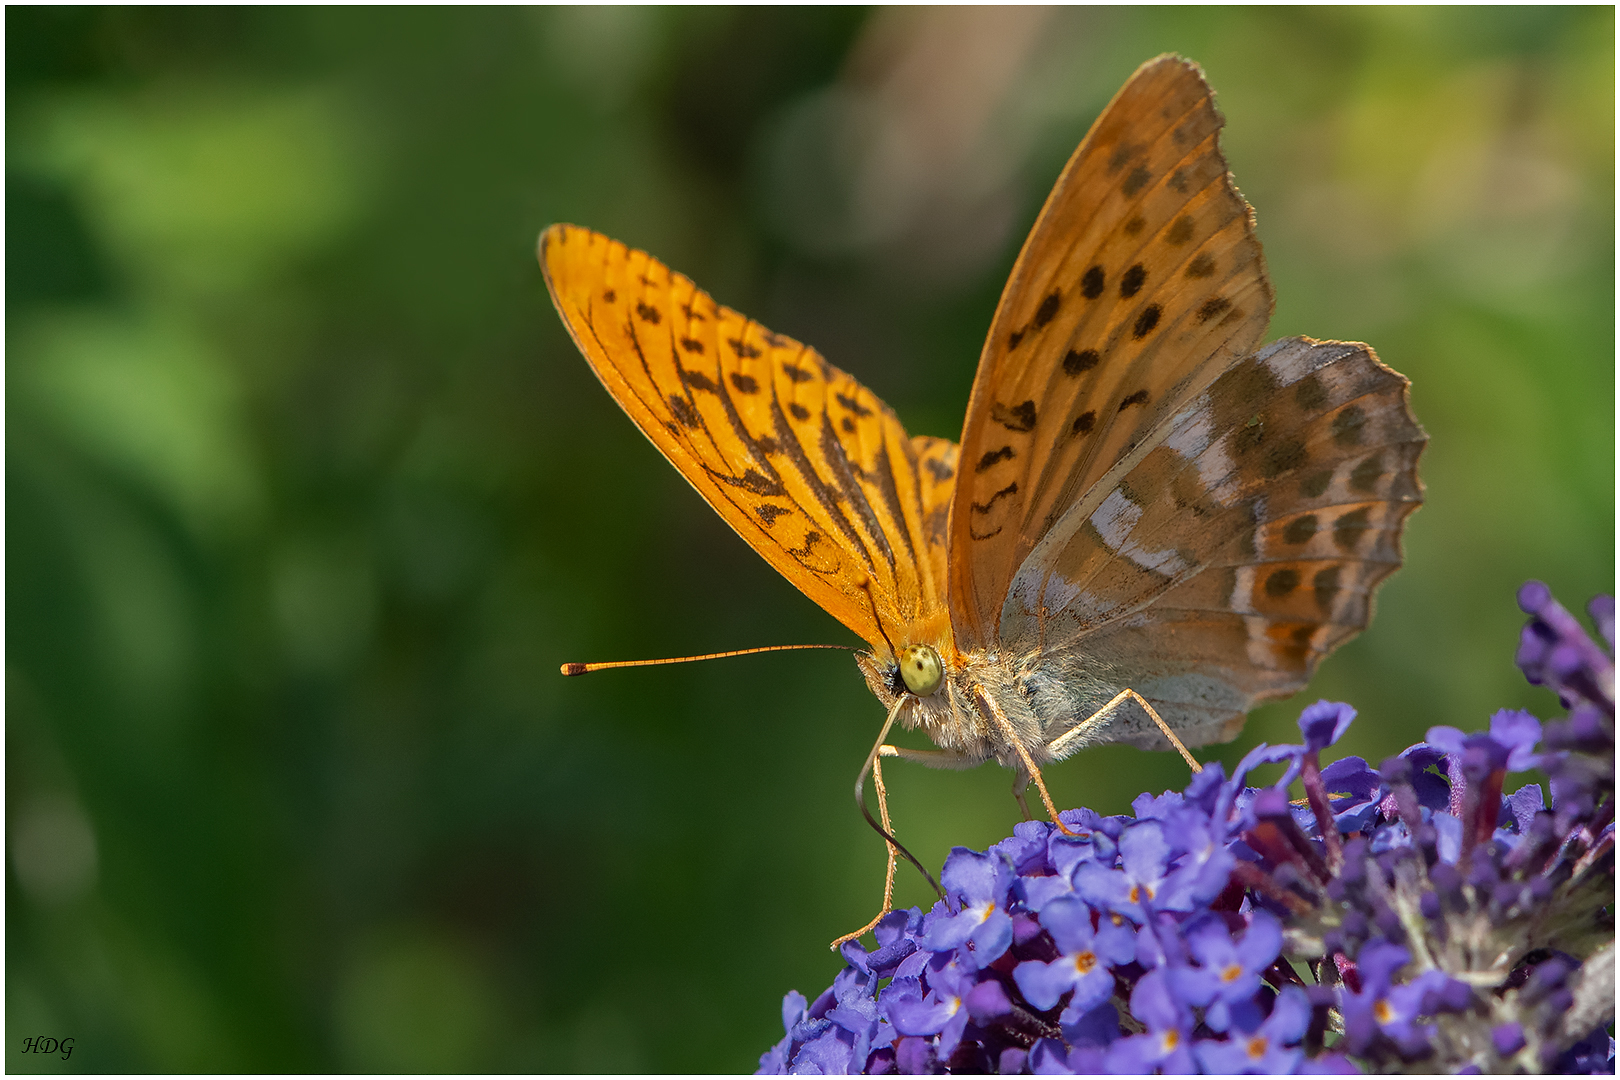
1382, 1012
1257, 1047
1085, 961
1137, 891
1233, 973
1172, 1039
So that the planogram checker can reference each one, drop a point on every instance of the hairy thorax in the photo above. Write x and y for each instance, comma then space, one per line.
1043, 698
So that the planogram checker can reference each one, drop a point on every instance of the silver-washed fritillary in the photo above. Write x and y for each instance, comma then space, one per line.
1146, 513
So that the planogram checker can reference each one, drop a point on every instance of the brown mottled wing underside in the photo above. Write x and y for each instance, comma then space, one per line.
1139, 284
809, 467
1244, 546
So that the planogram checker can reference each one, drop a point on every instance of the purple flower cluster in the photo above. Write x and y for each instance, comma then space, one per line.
1414, 917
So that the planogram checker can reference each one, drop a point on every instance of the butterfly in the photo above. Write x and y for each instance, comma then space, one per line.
1150, 523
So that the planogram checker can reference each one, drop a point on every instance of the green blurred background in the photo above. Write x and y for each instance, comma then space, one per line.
308, 493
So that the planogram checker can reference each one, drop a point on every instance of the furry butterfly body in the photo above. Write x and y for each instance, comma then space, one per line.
1140, 500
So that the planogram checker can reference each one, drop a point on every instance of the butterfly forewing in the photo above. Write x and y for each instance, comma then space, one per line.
936, 473
1140, 500
805, 463
1140, 282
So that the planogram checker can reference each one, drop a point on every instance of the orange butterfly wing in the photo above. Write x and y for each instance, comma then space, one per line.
806, 464
1140, 283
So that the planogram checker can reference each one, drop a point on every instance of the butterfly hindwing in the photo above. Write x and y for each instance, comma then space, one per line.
1242, 548
1140, 282
805, 463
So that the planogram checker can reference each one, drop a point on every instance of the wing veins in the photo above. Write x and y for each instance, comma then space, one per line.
788, 440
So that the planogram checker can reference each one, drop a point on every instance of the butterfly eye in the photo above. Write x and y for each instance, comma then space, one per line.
920, 669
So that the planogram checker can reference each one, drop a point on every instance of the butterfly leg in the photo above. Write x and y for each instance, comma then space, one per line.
884, 830
1060, 745
988, 707
1020, 784
888, 874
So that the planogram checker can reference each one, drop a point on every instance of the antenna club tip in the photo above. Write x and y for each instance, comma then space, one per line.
575, 669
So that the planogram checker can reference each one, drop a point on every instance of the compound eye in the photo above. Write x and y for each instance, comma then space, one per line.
920, 669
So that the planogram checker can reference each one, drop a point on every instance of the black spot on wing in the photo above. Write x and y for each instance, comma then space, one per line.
1020, 417
1348, 528
1136, 181
1077, 362
648, 313
1212, 307
1300, 530
1131, 283
1140, 397
751, 481
1282, 582
609, 295
984, 507
1236, 392
1326, 586
769, 512
742, 348
1283, 456
938, 469
1048, 310
1145, 322
847, 425
852, 405
1180, 231
1348, 425
1084, 422
1092, 283
1315, 484
994, 456
796, 374
1202, 266
744, 384
698, 381
1135, 225
1310, 393
1365, 476
1014, 338
799, 411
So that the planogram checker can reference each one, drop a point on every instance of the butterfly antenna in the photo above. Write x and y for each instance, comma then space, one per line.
582, 669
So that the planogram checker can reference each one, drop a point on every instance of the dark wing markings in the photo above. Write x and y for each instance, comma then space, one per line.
1050, 472
794, 450
844, 472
